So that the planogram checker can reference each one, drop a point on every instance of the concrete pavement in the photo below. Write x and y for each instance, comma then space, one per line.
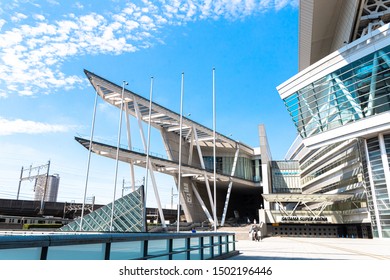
297, 248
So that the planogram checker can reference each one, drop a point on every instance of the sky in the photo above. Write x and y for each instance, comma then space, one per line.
46, 100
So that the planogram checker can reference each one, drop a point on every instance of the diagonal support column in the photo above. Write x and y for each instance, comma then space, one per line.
371, 96
203, 166
150, 165
130, 146
230, 186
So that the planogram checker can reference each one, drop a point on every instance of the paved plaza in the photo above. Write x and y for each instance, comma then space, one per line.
297, 248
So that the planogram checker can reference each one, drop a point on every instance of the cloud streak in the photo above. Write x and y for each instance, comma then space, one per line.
18, 126
32, 54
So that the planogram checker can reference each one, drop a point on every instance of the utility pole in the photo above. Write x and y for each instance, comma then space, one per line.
35, 173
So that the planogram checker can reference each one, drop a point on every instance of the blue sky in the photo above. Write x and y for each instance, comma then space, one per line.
45, 99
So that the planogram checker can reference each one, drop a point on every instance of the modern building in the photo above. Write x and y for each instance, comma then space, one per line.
229, 192
340, 104
46, 187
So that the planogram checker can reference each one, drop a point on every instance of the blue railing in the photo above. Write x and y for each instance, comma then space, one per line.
118, 246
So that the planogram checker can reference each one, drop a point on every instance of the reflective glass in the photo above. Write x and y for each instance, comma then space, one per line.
21, 254
353, 92
77, 252
126, 250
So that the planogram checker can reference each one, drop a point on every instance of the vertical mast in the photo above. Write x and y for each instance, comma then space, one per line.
214, 156
180, 143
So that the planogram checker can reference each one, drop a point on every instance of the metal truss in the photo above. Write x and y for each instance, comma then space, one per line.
374, 14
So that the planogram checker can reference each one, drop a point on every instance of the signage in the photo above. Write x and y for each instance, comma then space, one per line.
303, 219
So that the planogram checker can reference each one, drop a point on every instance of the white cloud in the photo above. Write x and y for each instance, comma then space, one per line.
39, 17
18, 126
31, 56
280, 4
18, 17
79, 5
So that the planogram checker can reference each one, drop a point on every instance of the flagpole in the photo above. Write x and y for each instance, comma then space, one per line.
214, 155
180, 143
147, 151
89, 161
117, 155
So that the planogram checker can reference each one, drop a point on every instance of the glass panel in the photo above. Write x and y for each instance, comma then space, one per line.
21, 254
157, 247
195, 242
206, 240
179, 244
180, 256
207, 253
77, 252
231, 247
195, 255
126, 250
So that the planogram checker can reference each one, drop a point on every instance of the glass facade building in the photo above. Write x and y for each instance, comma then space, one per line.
340, 104
356, 91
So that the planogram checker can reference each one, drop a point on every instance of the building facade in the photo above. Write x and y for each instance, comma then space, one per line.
340, 105
46, 188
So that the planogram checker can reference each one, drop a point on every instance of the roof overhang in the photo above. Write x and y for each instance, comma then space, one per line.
162, 165
161, 117
318, 21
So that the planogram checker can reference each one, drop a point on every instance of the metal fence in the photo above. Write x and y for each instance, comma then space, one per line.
118, 246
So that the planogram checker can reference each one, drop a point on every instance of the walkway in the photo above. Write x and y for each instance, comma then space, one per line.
288, 248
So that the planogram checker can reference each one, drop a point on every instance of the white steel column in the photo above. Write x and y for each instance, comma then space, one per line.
150, 166
89, 161
203, 167
230, 186
117, 155
385, 162
130, 147
372, 187
148, 144
180, 141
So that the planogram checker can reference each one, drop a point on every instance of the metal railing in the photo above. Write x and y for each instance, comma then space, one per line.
118, 246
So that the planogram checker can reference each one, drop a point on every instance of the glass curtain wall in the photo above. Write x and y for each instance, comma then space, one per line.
353, 92
244, 168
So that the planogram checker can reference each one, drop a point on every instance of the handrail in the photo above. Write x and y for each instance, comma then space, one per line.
223, 247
